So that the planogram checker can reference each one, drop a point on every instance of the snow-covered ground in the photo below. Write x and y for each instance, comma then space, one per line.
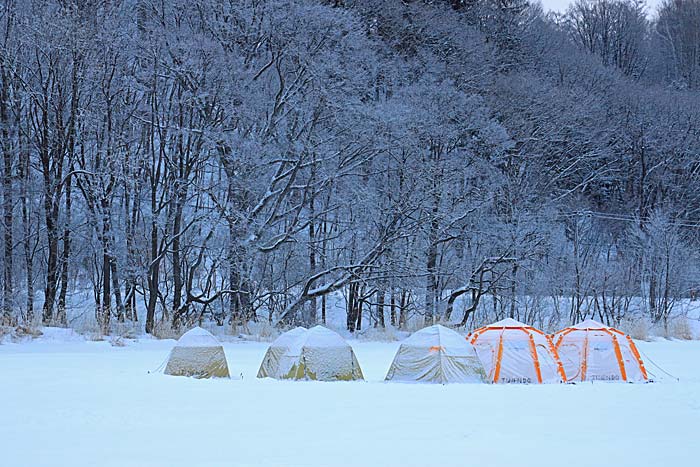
70, 402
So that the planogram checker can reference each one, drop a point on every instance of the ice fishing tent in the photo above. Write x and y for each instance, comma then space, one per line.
197, 353
513, 352
436, 354
271, 362
314, 354
592, 351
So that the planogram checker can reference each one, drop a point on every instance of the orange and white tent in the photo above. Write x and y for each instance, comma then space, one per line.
513, 352
592, 351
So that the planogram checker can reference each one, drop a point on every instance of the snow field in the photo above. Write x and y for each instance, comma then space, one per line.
88, 403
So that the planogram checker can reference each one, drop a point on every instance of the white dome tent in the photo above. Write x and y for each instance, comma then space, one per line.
199, 354
271, 362
592, 351
513, 352
436, 354
314, 354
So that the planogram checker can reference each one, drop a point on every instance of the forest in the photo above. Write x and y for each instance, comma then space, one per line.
426, 161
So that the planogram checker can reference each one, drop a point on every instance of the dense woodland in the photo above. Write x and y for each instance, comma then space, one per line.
238, 160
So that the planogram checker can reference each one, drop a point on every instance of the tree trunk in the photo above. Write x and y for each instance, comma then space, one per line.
324, 242
131, 215
51, 157
27, 231
116, 289
350, 318
177, 261
104, 311
155, 173
239, 301
392, 306
513, 290
403, 309
353, 298
451, 301
653, 311
431, 279
380, 308
234, 305
310, 313
8, 203
359, 306
153, 273
667, 290
61, 317
51, 263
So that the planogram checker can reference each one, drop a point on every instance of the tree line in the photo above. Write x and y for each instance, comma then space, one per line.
248, 160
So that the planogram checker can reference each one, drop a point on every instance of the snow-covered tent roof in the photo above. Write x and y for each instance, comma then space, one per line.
507, 323
317, 337
197, 337
436, 354
590, 324
438, 335
290, 336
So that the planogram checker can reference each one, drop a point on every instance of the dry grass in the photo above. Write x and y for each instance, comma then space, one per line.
128, 329
19, 333
680, 328
4, 333
387, 334
117, 341
638, 328
95, 336
262, 331
26, 331
86, 325
164, 330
